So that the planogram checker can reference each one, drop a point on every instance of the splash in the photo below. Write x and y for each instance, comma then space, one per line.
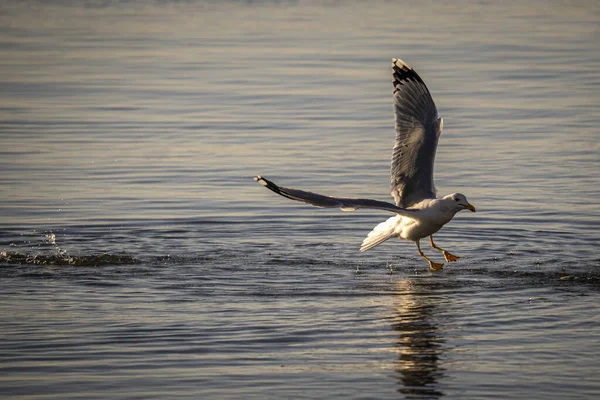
62, 257
91, 260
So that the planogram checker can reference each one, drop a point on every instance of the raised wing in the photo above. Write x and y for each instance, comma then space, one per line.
418, 129
319, 200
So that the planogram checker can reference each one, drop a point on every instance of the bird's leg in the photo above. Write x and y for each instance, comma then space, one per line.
433, 265
448, 256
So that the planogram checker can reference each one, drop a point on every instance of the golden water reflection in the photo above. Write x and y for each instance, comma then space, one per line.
420, 343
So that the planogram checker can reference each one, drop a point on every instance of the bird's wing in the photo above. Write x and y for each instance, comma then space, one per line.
319, 200
418, 129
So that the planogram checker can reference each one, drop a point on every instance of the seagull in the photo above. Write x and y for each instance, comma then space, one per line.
418, 212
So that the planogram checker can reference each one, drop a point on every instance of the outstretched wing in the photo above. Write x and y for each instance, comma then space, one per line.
319, 200
418, 129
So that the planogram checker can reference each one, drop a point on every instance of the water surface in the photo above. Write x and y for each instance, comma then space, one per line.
140, 260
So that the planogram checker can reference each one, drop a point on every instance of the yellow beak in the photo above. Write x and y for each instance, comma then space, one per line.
470, 207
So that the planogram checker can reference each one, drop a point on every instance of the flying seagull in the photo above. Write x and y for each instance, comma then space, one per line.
418, 211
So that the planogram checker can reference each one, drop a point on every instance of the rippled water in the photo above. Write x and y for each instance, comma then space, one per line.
140, 260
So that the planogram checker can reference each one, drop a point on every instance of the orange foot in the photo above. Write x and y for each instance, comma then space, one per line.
449, 257
435, 266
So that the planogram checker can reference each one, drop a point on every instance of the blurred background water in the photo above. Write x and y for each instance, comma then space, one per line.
140, 260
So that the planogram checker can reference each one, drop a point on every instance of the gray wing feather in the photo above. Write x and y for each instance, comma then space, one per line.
319, 200
418, 129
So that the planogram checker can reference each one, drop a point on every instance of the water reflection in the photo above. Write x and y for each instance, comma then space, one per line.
419, 345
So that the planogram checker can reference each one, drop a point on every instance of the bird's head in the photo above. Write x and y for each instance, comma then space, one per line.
459, 202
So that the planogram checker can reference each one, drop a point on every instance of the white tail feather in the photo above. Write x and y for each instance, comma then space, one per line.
380, 234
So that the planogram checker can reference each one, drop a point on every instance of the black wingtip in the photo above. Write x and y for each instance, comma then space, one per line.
261, 180
403, 73
270, 185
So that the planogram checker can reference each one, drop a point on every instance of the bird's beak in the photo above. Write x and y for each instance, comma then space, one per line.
470, 207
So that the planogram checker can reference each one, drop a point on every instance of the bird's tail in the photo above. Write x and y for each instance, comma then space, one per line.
380, 234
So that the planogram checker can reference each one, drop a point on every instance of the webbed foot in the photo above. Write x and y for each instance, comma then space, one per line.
449, 256
435, 266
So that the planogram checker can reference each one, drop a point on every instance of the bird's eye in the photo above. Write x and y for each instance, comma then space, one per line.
456, 199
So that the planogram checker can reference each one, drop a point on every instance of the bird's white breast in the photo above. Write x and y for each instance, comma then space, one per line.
430, 219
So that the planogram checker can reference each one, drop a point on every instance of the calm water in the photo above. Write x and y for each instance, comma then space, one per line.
140, 260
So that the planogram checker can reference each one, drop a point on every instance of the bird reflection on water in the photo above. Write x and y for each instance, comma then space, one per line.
420, 343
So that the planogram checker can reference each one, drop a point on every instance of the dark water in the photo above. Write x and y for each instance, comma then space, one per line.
140, 260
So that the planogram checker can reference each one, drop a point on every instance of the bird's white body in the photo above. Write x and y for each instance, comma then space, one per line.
429, 217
